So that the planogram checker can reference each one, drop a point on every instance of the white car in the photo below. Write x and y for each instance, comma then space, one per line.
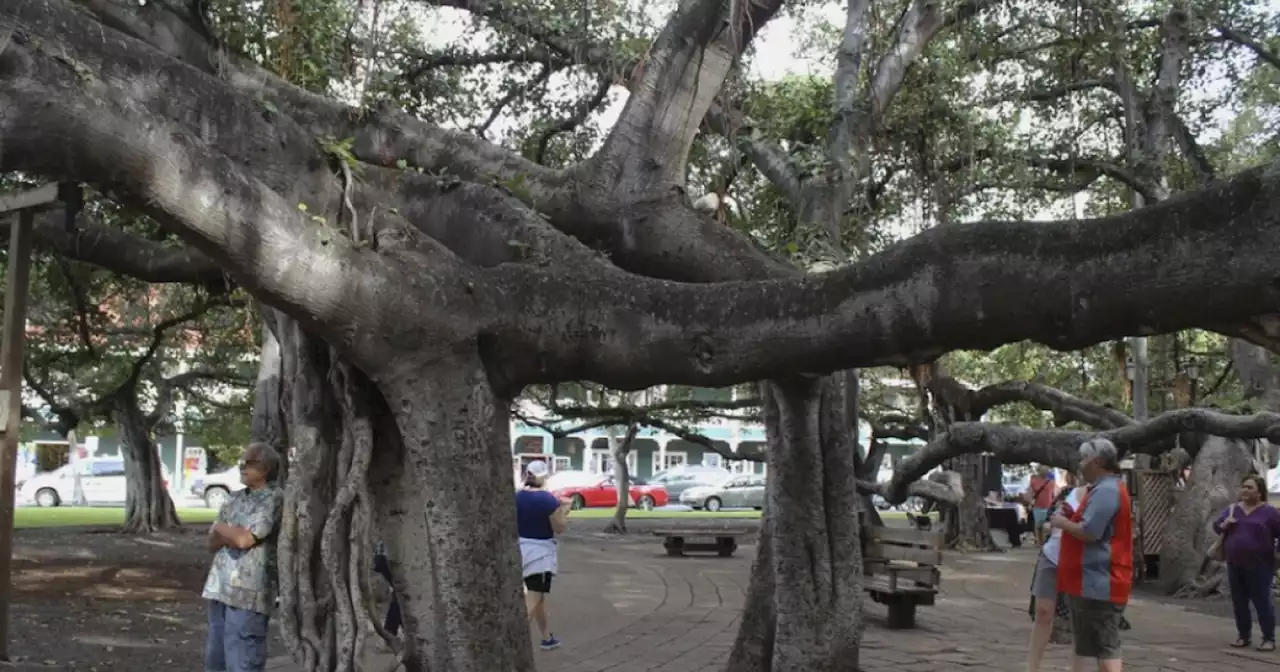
101, 479
215, 488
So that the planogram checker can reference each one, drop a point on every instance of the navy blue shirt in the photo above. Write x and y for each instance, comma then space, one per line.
533, 513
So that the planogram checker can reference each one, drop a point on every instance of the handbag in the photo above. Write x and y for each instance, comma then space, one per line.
1218, 551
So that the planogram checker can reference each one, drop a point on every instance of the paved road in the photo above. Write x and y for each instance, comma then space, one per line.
623, 605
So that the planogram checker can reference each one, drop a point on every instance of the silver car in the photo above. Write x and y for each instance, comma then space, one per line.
678, 479
744, 491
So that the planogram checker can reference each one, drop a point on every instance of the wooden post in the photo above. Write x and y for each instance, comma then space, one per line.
11, 358
26, 203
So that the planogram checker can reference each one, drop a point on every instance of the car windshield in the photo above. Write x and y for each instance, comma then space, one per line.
567, 479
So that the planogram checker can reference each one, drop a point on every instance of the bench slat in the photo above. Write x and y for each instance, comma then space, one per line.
923, 556
927, 575
905, 535
700, 533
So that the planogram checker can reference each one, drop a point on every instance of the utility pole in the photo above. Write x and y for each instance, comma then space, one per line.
26, 203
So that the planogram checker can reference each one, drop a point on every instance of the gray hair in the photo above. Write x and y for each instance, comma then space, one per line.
270, 458
1103, 450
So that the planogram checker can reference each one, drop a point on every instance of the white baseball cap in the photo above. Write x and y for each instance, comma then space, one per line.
537, 468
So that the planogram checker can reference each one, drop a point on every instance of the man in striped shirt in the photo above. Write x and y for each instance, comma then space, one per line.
1095, 567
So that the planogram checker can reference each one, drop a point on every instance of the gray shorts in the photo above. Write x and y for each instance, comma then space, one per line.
1097, 628
1044, 585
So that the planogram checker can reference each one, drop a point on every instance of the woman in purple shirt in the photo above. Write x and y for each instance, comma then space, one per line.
1252, 529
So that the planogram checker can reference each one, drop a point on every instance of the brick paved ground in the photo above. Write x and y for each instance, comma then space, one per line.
623, 605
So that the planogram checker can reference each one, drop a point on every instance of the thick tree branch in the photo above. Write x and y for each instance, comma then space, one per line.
179, 181
768, 157
947, 489
1191, 151
167, 387
1015, 445
1054, 283
921, 22
462, 59
1258, 48
646, 151
1064, 407
1085, 170
115, 250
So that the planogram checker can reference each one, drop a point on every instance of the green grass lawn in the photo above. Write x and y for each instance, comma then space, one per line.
66, 516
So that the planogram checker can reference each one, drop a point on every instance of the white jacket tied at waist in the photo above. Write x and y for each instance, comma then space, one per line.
539, 556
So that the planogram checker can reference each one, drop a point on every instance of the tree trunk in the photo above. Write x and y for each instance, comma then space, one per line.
306, 606
967, 526
77, 494
804, 608
1219, 466
148, 506
620, 449
1260, 377
269, 424
457, 449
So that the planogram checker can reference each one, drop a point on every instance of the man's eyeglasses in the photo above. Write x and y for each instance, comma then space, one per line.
250, 463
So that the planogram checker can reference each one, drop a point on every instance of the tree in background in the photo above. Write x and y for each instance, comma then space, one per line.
111, 351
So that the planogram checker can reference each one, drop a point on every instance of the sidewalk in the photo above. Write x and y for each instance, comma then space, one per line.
622, 605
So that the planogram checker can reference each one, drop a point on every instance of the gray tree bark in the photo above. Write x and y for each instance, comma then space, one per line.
270, 422
619, 448
148, 506
1219, 467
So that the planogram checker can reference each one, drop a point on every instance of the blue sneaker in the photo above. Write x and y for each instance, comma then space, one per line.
549, 643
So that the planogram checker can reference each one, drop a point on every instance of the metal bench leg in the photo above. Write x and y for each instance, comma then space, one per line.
902, 614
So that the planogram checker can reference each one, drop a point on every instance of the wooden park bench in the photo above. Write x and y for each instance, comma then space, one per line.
901, 570
710, 540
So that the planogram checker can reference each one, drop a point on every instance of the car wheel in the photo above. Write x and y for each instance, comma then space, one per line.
48, 497
215, 497
646, 503
578, 502
713, 504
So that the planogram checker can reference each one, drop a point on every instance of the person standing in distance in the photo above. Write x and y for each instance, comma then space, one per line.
1251, 528
242, 584
540, 517
1095, 560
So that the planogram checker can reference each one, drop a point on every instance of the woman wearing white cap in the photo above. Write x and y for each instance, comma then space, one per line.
540, 516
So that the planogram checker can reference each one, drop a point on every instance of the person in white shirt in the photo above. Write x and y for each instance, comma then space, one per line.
1044, 586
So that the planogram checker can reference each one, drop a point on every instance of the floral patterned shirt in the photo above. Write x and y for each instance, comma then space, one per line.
246, 579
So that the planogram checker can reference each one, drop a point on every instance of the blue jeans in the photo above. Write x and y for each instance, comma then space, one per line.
1253, 585
237, 640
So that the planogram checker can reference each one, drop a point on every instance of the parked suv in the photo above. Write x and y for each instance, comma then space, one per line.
101, 479
678, 479
215, 488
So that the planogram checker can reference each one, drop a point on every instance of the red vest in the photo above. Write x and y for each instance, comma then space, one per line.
1071, 560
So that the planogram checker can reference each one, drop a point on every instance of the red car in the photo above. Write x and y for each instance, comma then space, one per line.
605, 493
